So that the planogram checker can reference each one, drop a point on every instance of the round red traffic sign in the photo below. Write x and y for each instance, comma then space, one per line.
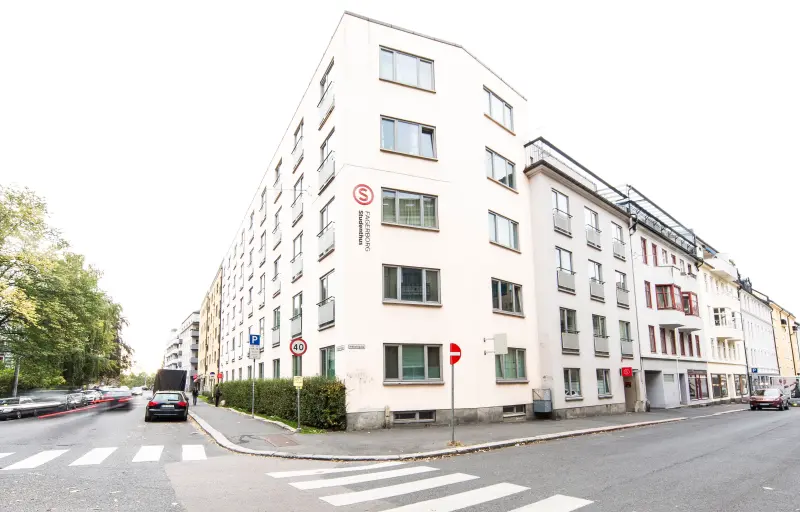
298, 346
363, 194
455, 353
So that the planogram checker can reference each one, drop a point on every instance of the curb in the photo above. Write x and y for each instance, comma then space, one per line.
225, 443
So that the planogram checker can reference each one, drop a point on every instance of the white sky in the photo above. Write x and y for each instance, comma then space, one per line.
147, 125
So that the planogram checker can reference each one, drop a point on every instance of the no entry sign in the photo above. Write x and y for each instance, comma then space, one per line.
455, 353
298, 346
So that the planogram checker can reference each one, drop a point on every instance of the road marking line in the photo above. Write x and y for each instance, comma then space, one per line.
95, 456
148, 454
555, 503
194, 452
6, 454
36, 460
357, 479
462, 499
345, 469
396, 490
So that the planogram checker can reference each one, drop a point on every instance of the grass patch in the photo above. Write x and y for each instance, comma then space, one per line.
293, 424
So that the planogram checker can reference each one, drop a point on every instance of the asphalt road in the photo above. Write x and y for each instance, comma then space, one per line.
744, 461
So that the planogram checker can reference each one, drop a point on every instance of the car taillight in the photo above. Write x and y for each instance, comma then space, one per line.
152, 404
182, 404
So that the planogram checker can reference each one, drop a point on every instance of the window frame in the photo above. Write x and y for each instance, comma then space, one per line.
644, 250
671, 292
418, 59
516, 292
513, 227
648, 295
324, 370
595, 270
564, 320
422, 198
517, 359
420, 128
599, 326
568, 384
606, 378
399, 299
425, 348
501, 120
621, 279
559, 252
491, 154
653, 343
691, 305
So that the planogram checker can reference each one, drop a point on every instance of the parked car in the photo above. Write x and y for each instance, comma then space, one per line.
25, 406
167, 404
770, 397
117, 399
76, 400
92, 395
136, 391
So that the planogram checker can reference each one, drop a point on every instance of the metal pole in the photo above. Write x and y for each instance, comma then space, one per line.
453, 403
253, 397
298, 409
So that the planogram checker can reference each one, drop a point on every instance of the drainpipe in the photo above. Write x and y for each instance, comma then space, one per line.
744, 342
643, 386
775, 339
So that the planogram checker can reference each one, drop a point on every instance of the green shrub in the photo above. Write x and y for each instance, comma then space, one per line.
322, 400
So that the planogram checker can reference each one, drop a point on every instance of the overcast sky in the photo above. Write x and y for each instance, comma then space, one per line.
148, 125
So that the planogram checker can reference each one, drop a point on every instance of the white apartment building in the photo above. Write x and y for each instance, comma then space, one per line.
762, 359
719, 296
182, 345
173, 352
585, 310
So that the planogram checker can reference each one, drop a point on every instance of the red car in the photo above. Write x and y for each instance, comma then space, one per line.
770, 397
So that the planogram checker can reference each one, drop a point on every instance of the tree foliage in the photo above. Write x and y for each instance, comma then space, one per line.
53, 315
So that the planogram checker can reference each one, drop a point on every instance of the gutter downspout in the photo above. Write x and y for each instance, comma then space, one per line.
631, 231
744, 342
774, 338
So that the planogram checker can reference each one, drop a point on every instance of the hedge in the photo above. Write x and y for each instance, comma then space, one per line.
322, 400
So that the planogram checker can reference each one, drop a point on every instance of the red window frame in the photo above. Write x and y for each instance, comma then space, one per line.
653, 346
671, 338
664, 291
644, 251
691, 306
691, 349
655, 255
683, 344
697, 344
674, 261
663, 333
648, 295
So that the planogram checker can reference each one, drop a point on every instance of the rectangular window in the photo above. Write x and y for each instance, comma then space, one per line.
297, 304
263, 203
406, 69
263, 245
250, 258
297, 246
277, 172
277, 220
595, 272
599, 326
276, 267
689, 343
260, 370
622, 280
328, 362
499, 110
262, 284
572, 382
325, 287
603, 382
625, 330
326, 148
503, 231
506, 296
720, 317
409, 209
249, 372
324, 215
652, 332
569, 321
252, 217
671, 338
617, 231
648, 294
563, 259
240, 374
644, 251
668, 297
663, 335
664, 260
297, 366
560, 202
510, 366
690, 306
592, 220
412, 362
500, 169
407, 137
325, 81
298, 188
655, 255
410, 284
683, 343
261, 324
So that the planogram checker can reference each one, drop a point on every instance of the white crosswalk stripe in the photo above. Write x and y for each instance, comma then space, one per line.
462, 499
327, 471
357, 479
396, 490
6, 454
194, 452
36, 460
95, 456
556, 503
148, 454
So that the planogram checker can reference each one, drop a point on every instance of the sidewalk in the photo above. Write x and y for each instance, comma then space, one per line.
239, 432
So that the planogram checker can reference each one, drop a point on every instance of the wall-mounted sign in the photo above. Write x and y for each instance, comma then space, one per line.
357, 346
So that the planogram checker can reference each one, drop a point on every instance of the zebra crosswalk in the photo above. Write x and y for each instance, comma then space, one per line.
95, 456
427, 479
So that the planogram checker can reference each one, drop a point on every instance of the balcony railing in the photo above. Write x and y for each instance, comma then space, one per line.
297, 152
276, 236
570, 342
326, 104
276, 285
326, 169
593, 236
326, 313
623, 297
566, 280
619, 249
326, 240
601, 346
562, 222
297, 267
296, 325
276, 336
277, 187
540, 150
626, 346
597, 289
297, 209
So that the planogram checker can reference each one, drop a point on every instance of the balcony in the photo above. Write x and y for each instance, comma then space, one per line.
297, 209
297, 267
623, 297
326, 104
540, 152
669, 274
276, 285
326, 240
193, 360
593, 236
562, 222
276, 336
601, 346
619, 249
277, 187
326, 169
671, 318
626, 347
566, 280
296, 325
326, 314
691, 323
723, 268
194, 346
297, 153
597, 290
570, 342
276, 236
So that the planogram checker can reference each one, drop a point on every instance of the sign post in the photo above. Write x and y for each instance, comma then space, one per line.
455, 355
298, 347
255, 354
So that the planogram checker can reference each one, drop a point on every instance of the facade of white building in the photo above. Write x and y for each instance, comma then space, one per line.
759, 339
182, 346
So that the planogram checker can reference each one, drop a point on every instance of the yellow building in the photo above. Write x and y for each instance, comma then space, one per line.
783, 324
208, 354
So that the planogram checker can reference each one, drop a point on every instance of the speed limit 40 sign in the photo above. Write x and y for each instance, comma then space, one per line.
298, 346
